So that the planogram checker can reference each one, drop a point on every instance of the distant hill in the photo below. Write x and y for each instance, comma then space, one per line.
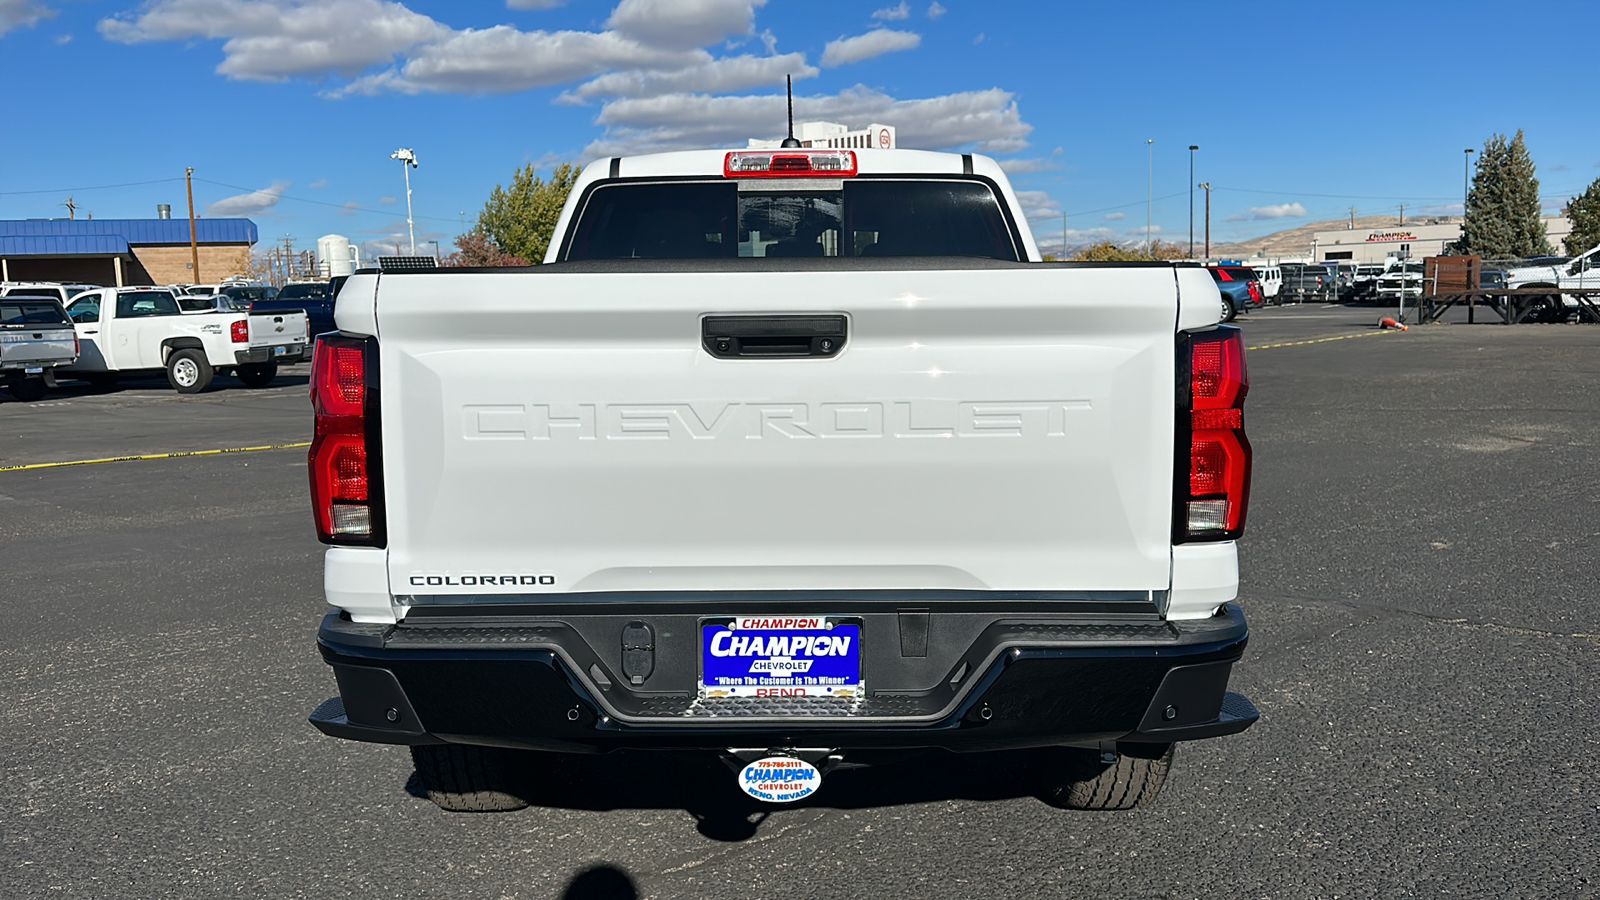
1297, 241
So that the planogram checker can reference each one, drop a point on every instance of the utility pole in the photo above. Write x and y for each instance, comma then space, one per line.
1207, 188
1402, 214
1466, 163
194, 244
1352, 218
1149, 190
1192, 149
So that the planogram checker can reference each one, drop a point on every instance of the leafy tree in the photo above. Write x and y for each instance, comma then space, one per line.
1584, 214
1502, 216
475, 249
521, 220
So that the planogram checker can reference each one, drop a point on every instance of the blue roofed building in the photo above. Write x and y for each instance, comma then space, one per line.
124, 251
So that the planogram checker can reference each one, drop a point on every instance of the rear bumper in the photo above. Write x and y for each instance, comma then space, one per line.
1008, 682
292, 353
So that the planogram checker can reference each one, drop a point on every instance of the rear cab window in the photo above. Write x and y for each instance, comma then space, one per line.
861, 217
25, 310
140, 304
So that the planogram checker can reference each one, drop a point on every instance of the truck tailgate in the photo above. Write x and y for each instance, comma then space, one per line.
272, 328
990, 429
21, 345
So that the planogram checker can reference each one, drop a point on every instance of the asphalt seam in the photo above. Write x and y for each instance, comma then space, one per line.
178, 455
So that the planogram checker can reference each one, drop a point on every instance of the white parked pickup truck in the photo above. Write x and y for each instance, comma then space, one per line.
123, 330
1581, 273
794, 456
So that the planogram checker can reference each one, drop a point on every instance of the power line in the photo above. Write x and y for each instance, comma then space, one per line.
97, 187
348, 206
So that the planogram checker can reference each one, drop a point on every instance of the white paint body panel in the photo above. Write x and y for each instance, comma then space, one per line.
571, 425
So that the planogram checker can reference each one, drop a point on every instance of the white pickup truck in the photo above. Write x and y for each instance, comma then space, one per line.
141, 329
1580, 274
794, 456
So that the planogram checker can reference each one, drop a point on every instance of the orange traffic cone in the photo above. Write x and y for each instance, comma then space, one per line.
1387, 322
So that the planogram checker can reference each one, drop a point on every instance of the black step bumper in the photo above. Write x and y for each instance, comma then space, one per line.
986, 681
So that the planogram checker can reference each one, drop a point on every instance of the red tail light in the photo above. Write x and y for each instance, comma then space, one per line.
1212, 481
346, 467
240, 332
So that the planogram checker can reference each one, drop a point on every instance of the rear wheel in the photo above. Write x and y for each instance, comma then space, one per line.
467, 778
258, 375
1080, 779
1229, 313
188, 371
28, 389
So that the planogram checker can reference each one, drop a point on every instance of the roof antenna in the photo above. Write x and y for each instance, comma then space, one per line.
789, 142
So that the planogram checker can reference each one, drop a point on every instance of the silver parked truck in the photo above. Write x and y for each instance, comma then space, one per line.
36, 337
798, 457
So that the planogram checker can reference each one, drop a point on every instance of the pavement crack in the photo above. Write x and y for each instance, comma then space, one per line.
1457, 621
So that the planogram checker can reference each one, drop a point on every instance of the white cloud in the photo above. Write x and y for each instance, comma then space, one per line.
712, 76
1114, 217
1023, 166
252, 204
319, 183
683, 24
982, 36
22, 14
273, 40
894, 13
349, 209
534, 4
1037, 205
936, 9
1281, 211
862, 47
502, 60
62, 40
388, 201
986, 120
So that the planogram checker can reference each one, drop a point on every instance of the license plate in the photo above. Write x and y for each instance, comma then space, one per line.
279, 351
36, 370
780, 656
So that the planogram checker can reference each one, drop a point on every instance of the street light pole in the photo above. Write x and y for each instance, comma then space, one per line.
1207, 188
1466, 163
1149, 185
408, 161
1192, 149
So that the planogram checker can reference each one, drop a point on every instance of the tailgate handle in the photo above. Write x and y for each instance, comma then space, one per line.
777, 337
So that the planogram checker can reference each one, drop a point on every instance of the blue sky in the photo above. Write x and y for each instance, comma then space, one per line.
288, 111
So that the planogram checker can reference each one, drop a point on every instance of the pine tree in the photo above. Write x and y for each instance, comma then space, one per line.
1503, 211
1584, 213
521, 220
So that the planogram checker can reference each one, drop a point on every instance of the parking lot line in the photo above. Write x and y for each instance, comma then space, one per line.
112, 459
1342, 337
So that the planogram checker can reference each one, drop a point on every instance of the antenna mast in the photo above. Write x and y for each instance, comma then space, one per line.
789, 142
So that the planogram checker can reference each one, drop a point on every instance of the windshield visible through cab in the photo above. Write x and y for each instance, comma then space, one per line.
716, 220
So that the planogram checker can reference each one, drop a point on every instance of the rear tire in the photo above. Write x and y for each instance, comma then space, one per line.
1229, 312
1077, 779
28, 390
188, 371
468, 778
257, 375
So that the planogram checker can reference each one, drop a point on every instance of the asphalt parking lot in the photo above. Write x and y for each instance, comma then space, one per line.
1418, 574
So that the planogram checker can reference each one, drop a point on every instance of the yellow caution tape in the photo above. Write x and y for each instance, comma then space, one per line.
112, 459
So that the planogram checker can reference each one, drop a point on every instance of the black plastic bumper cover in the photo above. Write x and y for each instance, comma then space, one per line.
1018, 685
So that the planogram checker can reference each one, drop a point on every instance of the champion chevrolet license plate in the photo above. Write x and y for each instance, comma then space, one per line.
780, 656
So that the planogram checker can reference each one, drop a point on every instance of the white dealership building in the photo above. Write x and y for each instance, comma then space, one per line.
1426, 237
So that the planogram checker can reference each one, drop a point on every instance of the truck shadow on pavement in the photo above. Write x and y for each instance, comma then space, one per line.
703, 786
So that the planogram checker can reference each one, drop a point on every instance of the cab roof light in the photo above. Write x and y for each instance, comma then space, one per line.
789, 164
